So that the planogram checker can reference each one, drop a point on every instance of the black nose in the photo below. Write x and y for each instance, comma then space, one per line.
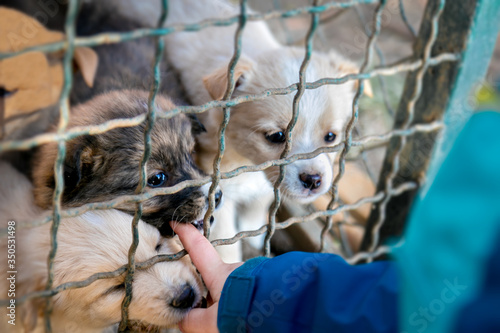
185, 299
218, 198
311, 182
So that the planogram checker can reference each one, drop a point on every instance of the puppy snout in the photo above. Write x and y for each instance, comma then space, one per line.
218, 198
185, 298
311, 182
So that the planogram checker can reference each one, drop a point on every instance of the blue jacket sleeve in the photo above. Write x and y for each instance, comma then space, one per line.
309, 292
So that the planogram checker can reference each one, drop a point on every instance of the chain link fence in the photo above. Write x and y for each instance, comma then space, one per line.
403, 131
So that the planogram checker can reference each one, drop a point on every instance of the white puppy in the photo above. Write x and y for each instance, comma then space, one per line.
93, 242
256, 129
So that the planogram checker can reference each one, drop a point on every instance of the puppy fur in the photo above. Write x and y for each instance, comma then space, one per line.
102, 167
94, 242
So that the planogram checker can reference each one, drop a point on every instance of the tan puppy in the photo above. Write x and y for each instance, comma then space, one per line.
93, 242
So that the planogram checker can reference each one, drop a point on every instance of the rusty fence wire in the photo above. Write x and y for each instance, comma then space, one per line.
368, 71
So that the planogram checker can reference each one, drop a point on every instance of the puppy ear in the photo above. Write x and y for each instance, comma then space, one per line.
73, 168
78, 161
197, 126
347, 67
216, 82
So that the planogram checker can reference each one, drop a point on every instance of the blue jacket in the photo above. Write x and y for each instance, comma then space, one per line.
445, 278
309, 292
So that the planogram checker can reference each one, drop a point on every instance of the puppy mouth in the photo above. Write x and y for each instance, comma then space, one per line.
202, 303
199, 223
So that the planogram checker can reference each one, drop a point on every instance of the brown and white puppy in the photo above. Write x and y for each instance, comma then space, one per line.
256, 129
104, 166
101, 167
94, 242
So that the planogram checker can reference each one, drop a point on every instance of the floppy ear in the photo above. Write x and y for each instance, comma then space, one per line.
347, 67
79, 162
216, 82
73, 169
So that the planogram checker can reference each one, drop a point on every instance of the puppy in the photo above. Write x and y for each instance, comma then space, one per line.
101, 167
256, 131
94, 242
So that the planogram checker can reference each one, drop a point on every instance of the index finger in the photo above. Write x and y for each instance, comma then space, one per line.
202, 253
200, 320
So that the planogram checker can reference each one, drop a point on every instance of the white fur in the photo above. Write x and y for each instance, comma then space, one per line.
94, 242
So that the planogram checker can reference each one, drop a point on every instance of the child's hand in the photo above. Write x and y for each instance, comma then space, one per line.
214, 272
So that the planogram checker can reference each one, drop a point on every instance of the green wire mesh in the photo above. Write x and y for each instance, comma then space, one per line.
62, 135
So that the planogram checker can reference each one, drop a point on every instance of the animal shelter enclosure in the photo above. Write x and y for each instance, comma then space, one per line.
424, 98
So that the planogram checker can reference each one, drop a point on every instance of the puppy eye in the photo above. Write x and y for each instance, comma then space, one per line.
330, 137
119, 287
157, 180
114, 289
278, 137
158, 247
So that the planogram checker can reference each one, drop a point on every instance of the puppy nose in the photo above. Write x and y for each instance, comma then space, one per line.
311, 182
218, 198
185, 299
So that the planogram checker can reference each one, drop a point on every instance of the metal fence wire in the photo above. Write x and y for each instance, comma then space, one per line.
417, 64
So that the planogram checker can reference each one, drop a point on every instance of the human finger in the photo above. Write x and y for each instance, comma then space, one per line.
202, 253
200, 320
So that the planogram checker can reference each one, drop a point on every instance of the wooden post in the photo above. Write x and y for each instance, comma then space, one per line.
467, 27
